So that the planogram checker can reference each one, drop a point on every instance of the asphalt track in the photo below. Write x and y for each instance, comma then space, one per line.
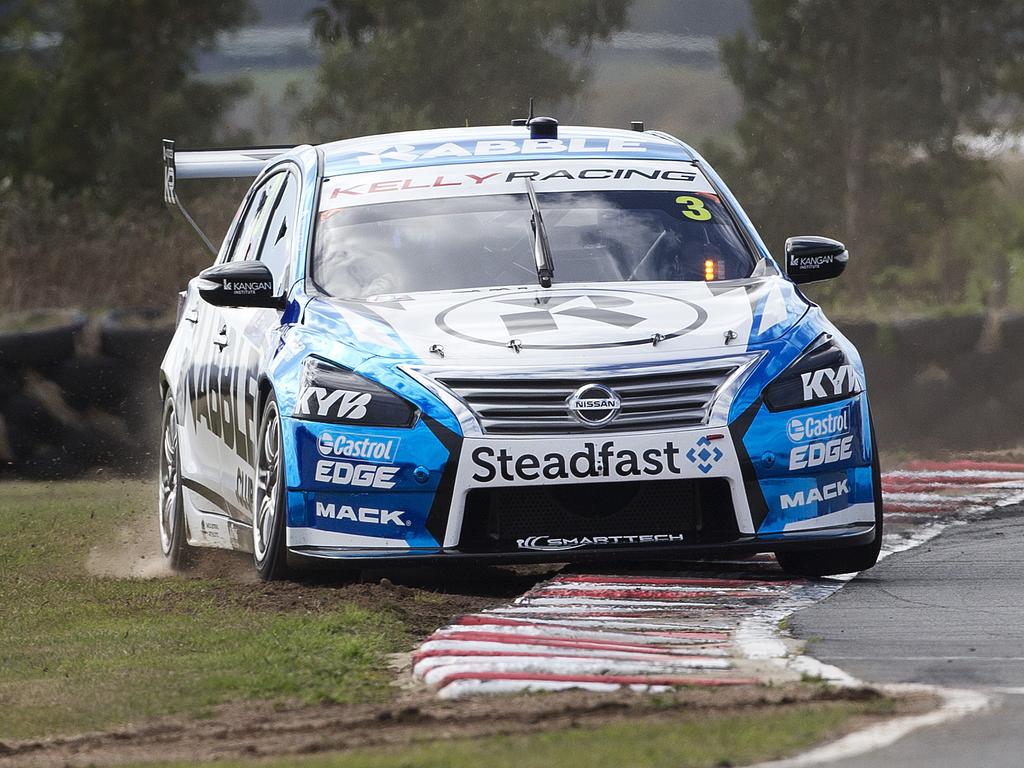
948, 613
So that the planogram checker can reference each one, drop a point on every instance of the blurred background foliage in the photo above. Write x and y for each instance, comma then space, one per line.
89, 87
392, 65
895, 127
869, 119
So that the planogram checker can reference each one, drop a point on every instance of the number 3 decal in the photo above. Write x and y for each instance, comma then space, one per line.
694, 208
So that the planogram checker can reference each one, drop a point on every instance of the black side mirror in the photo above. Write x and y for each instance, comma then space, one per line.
240, 284
810, 258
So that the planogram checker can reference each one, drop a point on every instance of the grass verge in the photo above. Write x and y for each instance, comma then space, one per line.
682, 741
78, 652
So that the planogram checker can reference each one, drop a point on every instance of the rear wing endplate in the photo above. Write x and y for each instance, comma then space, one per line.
233, 163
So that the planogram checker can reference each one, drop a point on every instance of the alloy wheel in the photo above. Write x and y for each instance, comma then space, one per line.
170, 479
268, 484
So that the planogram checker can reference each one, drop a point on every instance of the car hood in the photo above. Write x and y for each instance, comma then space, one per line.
597, 323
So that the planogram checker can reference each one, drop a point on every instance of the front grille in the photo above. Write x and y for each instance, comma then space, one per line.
495, 518
651, 399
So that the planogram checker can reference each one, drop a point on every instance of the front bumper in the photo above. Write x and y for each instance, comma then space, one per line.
415, 494
846, 536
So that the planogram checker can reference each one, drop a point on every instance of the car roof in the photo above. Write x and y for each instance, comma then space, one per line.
446, 146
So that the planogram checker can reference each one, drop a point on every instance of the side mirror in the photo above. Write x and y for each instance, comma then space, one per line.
810, 258
240, 284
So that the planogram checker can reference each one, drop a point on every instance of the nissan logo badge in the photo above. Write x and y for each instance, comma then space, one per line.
594, 405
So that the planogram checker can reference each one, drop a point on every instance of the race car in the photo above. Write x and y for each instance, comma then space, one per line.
508, 344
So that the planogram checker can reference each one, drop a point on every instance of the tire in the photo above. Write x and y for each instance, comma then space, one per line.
93, 380
270, 554
49, 344
173, 541
827, 562
135, 334
12, 379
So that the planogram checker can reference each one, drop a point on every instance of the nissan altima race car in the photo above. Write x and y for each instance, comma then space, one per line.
508, 344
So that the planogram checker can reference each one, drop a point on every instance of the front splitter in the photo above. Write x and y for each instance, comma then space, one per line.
839, 538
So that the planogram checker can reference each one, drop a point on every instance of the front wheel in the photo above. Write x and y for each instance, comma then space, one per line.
828, 562
269, 510
172, 507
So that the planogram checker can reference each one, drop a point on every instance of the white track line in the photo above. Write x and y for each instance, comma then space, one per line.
956, 703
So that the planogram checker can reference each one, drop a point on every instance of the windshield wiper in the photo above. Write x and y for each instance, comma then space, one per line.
541, 245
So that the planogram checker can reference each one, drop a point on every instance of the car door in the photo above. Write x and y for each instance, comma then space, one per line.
203, 423
246, 330
210, 424
199, 442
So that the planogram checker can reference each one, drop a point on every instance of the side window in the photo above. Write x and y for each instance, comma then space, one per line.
276, 251
251, 227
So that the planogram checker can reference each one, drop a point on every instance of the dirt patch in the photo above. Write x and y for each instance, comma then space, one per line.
423, 597
261, 730
134, 553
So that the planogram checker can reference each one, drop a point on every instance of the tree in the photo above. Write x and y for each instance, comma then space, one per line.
21, 82
88, 112
856, 119
407, 64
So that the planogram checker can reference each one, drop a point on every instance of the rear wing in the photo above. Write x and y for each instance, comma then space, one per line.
228, 163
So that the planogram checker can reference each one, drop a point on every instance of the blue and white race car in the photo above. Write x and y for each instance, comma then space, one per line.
510, 344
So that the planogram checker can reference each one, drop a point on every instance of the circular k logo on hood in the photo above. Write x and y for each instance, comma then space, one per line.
572, 319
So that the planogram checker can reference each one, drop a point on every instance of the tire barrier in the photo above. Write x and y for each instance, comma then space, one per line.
936, 385
39, 337
79, 394
127, 333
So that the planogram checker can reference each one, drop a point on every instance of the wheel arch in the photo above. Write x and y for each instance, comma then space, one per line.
275, 563
265, 390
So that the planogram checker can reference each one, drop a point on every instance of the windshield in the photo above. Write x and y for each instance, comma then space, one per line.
484, 241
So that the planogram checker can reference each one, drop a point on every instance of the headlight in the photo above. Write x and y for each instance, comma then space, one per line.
339, 396
821, 375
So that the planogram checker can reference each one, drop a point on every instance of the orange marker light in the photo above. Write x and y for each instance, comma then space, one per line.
709, 270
